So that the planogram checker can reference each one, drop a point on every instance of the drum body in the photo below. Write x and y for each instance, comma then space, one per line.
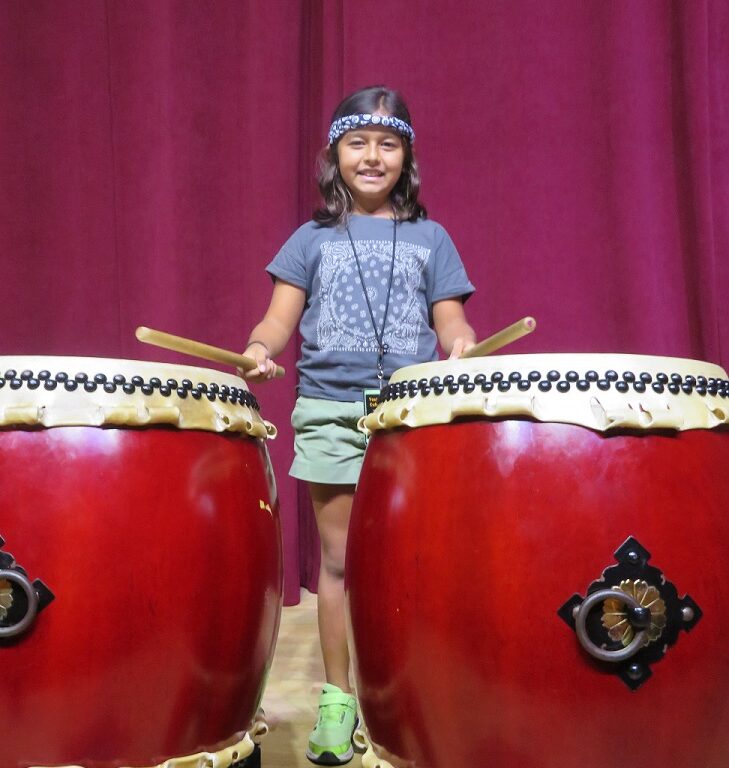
474, 543
155, 552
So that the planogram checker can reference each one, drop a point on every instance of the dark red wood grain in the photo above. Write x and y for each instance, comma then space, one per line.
167, 578
466, 539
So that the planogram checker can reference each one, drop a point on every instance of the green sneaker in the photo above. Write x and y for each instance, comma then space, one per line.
330, 743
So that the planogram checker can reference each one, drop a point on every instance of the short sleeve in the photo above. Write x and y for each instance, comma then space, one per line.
289, 264
450, 278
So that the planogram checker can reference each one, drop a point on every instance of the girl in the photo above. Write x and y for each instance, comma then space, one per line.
373, 284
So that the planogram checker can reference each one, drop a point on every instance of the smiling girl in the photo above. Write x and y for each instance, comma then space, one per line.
373, 286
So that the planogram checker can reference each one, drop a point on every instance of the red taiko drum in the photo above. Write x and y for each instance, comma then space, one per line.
141, 567
538, 565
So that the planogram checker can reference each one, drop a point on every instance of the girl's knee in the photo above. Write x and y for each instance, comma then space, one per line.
333, 567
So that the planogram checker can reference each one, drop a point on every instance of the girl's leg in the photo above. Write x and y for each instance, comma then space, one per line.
332, 507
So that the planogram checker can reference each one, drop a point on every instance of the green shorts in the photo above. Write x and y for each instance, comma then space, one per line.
328, 446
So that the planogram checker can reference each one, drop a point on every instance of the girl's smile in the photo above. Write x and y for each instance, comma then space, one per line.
370, 162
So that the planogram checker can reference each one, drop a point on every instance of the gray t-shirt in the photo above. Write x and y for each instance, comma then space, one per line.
339, 349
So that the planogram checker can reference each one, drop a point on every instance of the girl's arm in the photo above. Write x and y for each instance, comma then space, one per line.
272, 334
454, 333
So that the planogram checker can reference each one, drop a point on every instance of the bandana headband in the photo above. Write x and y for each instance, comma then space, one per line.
352, 122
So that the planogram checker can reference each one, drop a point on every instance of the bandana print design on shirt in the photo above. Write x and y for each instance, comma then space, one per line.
344, 322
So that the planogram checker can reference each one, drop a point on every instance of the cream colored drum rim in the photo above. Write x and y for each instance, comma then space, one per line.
52, 391
598, 391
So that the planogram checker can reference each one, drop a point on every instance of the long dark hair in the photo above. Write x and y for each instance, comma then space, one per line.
337, 198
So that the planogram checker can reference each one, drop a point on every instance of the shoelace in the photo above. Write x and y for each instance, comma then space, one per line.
334, 712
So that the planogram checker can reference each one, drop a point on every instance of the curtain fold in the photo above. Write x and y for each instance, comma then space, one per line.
155, 155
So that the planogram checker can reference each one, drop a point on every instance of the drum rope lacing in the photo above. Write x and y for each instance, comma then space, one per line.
674, 383
110, 385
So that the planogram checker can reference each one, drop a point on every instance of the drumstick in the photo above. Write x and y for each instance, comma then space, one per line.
198, 349
502, 338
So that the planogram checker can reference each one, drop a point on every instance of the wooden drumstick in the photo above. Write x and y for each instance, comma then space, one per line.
198, 349
502, 338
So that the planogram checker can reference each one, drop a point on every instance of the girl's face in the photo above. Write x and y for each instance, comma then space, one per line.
370, 162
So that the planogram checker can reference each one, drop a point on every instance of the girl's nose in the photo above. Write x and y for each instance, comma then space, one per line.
372, 154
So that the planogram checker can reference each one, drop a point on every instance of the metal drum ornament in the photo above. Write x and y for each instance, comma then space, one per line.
538, 565
140, 564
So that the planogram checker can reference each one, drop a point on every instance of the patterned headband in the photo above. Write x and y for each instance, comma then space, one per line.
352, 122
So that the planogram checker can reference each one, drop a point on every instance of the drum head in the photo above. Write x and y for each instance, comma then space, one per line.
74, 391
599, 391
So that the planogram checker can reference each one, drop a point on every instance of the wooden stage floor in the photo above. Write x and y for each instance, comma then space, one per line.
292, 692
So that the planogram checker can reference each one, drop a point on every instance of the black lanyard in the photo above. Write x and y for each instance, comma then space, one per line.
382, 348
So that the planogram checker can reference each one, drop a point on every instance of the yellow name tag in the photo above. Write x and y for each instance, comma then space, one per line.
371, 400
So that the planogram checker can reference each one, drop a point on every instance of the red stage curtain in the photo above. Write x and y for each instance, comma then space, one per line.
154, 155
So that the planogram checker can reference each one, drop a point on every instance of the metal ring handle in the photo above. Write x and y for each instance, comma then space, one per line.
32, 596
580, 626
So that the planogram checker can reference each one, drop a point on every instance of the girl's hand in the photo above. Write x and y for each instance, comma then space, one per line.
461, 344
266, 366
